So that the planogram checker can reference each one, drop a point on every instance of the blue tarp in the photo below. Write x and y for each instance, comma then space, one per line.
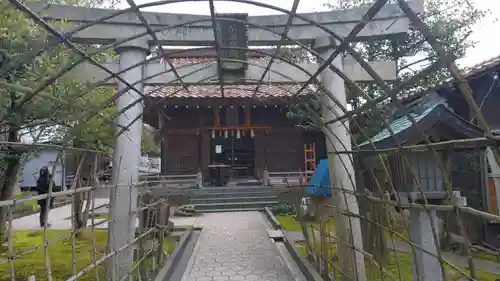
319, 184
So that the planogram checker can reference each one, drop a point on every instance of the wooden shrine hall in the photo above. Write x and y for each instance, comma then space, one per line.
245, 128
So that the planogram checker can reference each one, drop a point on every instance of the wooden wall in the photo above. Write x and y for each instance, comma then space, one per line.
186, 144
284, 151
183, 151
260, 153
487, 95
182, 155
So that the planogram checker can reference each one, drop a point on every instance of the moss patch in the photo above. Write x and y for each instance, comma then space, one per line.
169, 244
100, 217
290, 223
60, 255
486, 256
399, 267
395, 232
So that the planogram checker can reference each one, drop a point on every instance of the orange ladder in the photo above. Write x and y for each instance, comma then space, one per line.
309, 159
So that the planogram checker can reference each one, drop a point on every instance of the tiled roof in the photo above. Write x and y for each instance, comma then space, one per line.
212, 52
468, 73
188, 60
482, 66
231, 91
422, 109
427, 111
193, 60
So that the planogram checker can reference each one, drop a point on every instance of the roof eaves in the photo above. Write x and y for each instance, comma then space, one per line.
401, 124
482, 66
468, 73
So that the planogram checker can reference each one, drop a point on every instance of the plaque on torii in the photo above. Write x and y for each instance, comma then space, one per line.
233, 41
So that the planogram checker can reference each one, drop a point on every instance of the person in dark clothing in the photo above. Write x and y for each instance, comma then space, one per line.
43, 184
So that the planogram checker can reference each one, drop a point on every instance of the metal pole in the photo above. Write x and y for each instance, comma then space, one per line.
127, 153
338, 138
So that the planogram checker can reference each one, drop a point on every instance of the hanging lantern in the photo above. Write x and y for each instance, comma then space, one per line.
225, 134
238, 135
232, 133
220, 133
252, 133
243, 132
213, 134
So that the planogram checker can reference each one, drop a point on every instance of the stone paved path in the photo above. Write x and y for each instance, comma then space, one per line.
235, 246
59, 218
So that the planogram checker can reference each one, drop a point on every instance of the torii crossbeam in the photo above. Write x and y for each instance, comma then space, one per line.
196, 30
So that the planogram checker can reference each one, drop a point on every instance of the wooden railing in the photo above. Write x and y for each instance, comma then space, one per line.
168, 181
285, 178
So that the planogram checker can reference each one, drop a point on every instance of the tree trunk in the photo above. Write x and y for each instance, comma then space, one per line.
77, 198
381, 253
13, 164
77, 211
377, 224
445, 237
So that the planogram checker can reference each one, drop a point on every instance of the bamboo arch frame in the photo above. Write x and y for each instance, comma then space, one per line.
444, 59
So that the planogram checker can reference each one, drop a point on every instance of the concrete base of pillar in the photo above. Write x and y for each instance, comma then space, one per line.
425, 266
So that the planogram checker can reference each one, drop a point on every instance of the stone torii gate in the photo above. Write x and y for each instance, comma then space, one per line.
134, 33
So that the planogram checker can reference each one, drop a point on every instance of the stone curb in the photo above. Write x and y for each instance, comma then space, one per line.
272, 219
304, 265
173, 261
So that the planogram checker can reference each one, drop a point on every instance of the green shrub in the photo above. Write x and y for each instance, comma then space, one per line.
28, 206
283, 208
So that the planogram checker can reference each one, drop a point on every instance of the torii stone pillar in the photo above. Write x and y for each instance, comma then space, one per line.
338, 138
127, 154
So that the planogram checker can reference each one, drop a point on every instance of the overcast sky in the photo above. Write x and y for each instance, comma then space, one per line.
485, 33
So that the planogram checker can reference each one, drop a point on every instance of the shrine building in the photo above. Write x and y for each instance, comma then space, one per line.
244, 126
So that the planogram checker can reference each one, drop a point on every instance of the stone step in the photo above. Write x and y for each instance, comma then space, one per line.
246, 189
236, 205
230, 210
233, 194
245, 183
218, 200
